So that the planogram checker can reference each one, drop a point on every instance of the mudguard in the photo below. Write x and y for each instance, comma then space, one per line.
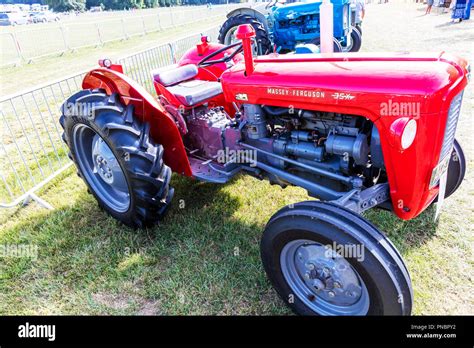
163, 127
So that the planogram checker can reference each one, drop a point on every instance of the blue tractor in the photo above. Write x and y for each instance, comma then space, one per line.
285, 25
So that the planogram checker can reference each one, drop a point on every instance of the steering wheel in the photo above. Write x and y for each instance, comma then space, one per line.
207, 62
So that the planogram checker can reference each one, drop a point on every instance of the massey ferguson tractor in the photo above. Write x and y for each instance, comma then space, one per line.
357, 131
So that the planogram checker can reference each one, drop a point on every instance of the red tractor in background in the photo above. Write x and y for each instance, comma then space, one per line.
357, 131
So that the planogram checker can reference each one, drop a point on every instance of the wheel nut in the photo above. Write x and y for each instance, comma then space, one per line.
318, 284
306, 275
331, 294
310, 266
337, 285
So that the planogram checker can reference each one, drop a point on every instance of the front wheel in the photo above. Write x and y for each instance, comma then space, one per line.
356, 41
456, 170
323, 259
337, 45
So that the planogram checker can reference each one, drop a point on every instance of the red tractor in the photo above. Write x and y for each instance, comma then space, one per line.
357, 131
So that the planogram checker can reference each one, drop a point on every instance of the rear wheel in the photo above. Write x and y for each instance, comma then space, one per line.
228, 29
326, 260
114, 154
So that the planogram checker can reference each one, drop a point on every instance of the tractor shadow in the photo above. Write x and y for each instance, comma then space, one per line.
205, 249
200, 249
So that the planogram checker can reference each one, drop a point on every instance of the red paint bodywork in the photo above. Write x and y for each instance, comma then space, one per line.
349, 83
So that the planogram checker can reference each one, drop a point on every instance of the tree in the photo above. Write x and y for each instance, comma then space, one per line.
67, 5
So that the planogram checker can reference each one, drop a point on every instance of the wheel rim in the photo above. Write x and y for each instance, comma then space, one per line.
323, 280
101, 168
348, 48
229, 37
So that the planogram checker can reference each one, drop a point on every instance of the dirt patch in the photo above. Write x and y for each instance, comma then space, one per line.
127, 301
112, 301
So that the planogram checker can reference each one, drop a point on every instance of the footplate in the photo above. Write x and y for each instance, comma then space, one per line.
209, 171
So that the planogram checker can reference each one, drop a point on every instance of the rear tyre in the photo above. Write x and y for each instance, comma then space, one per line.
121, 165
301, 248
228, 29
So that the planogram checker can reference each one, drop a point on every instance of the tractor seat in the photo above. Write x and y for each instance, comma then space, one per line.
178, 80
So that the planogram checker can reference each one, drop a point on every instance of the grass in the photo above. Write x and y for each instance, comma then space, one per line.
204, 257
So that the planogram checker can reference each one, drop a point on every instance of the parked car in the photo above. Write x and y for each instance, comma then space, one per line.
13, 18
43, 17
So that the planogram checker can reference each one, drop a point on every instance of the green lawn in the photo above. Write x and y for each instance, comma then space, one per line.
204, 257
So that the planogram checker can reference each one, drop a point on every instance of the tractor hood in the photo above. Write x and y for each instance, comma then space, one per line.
358, 82
300, 8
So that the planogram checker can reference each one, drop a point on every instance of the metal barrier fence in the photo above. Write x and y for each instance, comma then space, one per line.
24, 45
32, 152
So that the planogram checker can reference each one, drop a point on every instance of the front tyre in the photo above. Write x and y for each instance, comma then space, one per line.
356, 41
114, 154
323, 259
337, 45
456, 169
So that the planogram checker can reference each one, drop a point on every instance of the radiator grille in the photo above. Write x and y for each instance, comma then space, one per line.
451, 124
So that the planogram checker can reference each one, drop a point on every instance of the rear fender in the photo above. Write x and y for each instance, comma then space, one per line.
163, 128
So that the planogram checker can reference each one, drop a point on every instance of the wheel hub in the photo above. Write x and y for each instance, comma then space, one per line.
104, 161
324, 280
328, 274
101, 169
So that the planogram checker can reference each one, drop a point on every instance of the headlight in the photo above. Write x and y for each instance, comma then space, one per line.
408, 135
404, 132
